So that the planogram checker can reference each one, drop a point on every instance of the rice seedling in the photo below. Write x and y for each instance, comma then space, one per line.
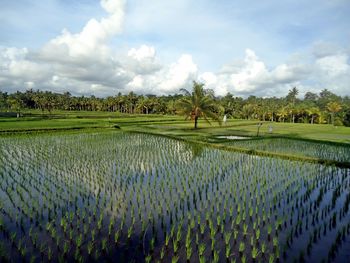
241, 247
104, 244
245, 229
162, 253
255, 253
116, 237
263, 248
79, 241
227, 237
175, 246
202, 229
257, 235
167, 239
227, 252
201, 249
188, 253
174, 259
252, 241
152, 244
49, 254
212, 245
148, 258
90, 246
215, 257
65, 248
130, 231
275, 242
269, 230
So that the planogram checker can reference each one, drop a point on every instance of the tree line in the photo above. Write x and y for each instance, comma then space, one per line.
324, 107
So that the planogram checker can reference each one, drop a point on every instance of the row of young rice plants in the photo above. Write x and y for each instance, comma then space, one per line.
132, 197
325, 151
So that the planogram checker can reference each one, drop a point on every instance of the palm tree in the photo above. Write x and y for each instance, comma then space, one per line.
249, 110
333, 108
313, 112
132, 101
198, 104
291, 99
282, 113
15, 103
292, 95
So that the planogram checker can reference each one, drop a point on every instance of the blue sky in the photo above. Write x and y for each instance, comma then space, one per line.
244, 47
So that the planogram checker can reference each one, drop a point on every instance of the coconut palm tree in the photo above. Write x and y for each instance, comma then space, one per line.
282, 113
198, 104
15, 103
333, 108
313, 112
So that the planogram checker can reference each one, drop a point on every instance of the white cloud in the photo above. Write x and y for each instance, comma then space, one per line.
209, 78
334, 65
253, 71
169, 79
142, 60
251, 76
85, 63
137, 83
10, 54
178, 75
333, 72
240, 77
91, 41
144, 52
81, 62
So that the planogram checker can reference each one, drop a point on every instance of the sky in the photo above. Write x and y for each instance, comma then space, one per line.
102, 47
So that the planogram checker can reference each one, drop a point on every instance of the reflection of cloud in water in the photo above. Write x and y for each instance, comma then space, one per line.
185, 152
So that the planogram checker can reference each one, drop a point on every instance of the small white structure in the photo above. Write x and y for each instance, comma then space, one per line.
224, 119
270, 129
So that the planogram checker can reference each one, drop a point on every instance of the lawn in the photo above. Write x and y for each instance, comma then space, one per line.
170, 125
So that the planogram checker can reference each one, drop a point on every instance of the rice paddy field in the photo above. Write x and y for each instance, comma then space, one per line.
127, 197
338, 152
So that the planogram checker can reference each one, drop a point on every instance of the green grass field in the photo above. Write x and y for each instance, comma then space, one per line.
168, 125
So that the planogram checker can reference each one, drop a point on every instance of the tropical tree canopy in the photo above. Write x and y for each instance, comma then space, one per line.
333, 107
198, 104
314, 108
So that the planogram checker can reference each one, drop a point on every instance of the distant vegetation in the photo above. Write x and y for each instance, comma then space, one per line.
325, 107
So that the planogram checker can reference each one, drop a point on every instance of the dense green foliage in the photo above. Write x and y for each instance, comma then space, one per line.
115, 196
325, 107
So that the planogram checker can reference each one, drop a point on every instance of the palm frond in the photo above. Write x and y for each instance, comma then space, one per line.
187, 93
199, 104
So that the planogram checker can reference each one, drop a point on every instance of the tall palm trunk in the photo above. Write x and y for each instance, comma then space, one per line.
195, 122
332, 118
